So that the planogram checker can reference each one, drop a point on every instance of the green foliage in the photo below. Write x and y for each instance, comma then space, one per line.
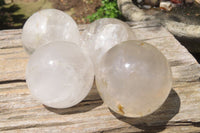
109, 9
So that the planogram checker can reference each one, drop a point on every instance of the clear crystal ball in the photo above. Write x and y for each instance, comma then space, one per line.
59, 74
134, 78
103, 34
47, 26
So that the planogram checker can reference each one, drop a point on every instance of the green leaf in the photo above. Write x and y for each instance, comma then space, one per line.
109, 9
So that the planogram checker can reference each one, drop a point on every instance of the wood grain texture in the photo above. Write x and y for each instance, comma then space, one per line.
20, 112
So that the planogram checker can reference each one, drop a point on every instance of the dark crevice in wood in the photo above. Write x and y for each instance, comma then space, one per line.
112, 130
12, 81
197, 80
35, 126
186, 123
12, 47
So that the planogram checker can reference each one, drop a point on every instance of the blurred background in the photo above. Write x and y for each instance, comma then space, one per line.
13, 13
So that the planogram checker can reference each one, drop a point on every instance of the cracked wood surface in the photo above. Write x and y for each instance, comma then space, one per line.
20, 112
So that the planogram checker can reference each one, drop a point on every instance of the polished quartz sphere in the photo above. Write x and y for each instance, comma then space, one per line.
46, 26
133, 78
103, 34
59, 74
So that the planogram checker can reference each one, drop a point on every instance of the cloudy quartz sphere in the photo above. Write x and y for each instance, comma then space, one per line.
46, 26
59, 74
134, 78
103, 34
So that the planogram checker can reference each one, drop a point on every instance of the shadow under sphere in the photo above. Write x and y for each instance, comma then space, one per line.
156, 121
90, 102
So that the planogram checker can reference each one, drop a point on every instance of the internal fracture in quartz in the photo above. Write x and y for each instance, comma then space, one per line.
59, 74
134, 78
47, 26
103, 34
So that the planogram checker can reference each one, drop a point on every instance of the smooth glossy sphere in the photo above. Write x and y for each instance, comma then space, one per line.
134, 78
103, 34
47, 26
59, 74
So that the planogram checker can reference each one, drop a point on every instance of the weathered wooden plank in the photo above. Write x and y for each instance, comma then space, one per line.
20, 112
23, 112
13, 63
10, 38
